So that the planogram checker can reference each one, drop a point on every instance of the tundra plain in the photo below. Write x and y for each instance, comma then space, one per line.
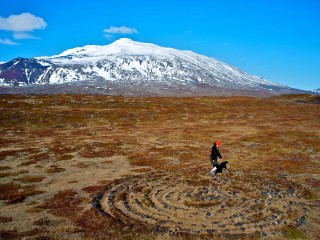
114, 167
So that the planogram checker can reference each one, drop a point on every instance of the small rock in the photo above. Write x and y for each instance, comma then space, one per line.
291, 191
210, 231
278, 212
263, 193
155, 229
240, 224
301, 221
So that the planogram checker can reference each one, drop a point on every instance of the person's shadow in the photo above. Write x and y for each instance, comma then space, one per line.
221, 166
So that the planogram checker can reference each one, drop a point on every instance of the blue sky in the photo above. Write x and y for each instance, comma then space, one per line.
278, 40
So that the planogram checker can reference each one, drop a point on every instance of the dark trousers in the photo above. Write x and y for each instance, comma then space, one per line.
214, 162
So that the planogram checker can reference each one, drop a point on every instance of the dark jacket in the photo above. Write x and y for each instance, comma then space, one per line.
215, 152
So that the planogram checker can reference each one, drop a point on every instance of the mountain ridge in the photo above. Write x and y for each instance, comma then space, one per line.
129, 62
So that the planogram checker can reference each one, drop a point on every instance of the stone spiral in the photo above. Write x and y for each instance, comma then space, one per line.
225, 205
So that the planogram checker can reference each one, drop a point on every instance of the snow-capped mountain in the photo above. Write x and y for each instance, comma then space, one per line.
316, 90
126, 61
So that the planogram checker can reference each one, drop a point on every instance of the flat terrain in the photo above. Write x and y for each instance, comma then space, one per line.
102, 167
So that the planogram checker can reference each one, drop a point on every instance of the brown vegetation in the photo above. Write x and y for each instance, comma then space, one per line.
58, 151
15, 193
64, 204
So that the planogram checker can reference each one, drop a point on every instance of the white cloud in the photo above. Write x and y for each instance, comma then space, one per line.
23, 35
21, 25
25, 22
7, 42
120, 30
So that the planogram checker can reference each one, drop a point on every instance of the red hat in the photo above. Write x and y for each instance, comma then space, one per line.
218, 143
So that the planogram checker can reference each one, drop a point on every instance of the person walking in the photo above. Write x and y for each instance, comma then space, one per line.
215, 153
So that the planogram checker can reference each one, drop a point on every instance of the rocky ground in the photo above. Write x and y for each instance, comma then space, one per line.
103, 167
228, 205
142, 88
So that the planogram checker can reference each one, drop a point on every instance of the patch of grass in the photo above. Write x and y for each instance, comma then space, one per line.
21, 172
137, 188
36, 209
94, 226
3, 168
9, 191
107, 161
30, 179
256, 217
292, 214
4, 219
65, 157
55, 169
44, 222
34, 233
5, 174
98, 149
44, 132
8, 234
15, 193
73, 181
8, 153
198, 182
8, 142
309, 195
81, 165
292, 232
13, 174
65, 203
35, 158
142, 159
60, 149
142, 170
120, 197
299, 98
92, 190
313, 182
